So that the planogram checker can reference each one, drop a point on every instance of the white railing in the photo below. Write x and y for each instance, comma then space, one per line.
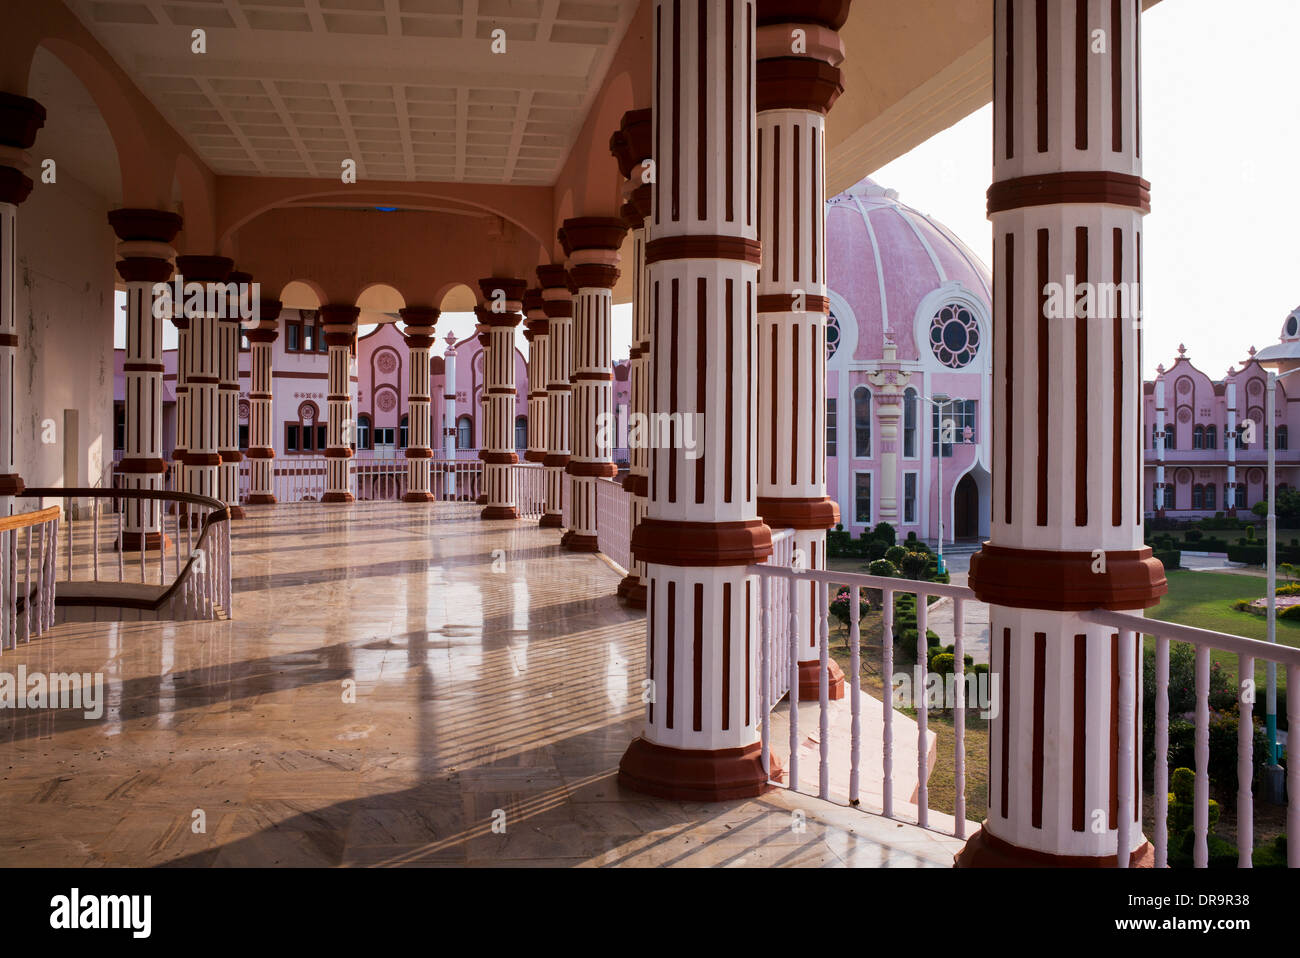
777, 640
29, 546
378, 477
298, 478
530, 489
183, 573
776, 610
613, 516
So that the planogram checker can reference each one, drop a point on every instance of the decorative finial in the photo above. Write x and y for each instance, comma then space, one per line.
1252, 352
1160, 370
451, 338
1182, 351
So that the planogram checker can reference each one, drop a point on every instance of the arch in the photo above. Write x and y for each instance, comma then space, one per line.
193, 187
1211, 436
302, 294
861, 422
465, 431
1198, 436
1283, 437
379, 298
521, 432
952, 293
363, 432
982, 480
457, 298
911, 423
75, 133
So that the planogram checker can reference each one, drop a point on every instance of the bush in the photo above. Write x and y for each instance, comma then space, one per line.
1169, 558
1194, 535
907, 638
883, 567
875, 550
841, 607
885, 533
913, 564
895, 554
1272, 855
1290, 612
1250, 532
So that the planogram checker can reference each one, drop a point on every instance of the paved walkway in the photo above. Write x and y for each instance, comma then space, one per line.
386, 694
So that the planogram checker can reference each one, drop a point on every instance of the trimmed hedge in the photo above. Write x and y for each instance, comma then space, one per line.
1169, 558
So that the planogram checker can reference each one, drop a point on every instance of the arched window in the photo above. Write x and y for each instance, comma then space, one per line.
1170, 429
1198, 496
464, 433
1209, 495
909, 423
1211, 437
1282, 437
363, 432
521, 432
404, 432
1169, 495
862, 423
1198, 436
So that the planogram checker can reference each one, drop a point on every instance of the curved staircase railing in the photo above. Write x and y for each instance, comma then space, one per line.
28, 550
115, 574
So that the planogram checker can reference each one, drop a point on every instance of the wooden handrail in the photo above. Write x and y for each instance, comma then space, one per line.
24, 519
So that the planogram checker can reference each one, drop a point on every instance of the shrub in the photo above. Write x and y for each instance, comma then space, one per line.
1289, 613
895, 554
943, 664
875, 550
1250, 532
841, 607
1169, 558
883, 567
1272, 855
1194, 535
913, 564
885, 533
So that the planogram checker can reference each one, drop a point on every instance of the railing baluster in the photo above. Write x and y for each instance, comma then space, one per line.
13, 587
959, 716
1245, 760
822, 595
1293, 766
69, 511
1125, 783
793, 696
855, 704
922, 712
95, 535
8, 601
764, 676
27, 593
1201, 811
1162, 752
121, 546
887, 746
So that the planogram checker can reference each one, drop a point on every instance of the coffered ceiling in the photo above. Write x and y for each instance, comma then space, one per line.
409, 89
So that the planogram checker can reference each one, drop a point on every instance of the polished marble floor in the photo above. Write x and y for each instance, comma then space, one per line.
401, 685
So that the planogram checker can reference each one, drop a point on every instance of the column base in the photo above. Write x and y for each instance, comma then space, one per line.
499, 512
481, 500
338, 497
631, 591
152, 540
691, 775
237, 512
810, 681
987, 851
257, 499
418, 497
551, 522
581, 543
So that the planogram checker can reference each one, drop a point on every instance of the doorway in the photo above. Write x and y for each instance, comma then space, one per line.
966, 509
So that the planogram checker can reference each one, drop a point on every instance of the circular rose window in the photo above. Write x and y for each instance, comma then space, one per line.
832, 335
954, 336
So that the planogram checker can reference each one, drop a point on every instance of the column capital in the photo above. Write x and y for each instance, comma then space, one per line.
141, 225
832, 14
20, 119
632, 142
205, 269
268, 311
335, 314
591, 232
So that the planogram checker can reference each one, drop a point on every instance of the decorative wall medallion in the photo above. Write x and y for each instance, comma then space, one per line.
1184, 386
307, 412
1255, 387
243, 410
1184, 476
1184, 415
386, 362
1255, 475
386, 401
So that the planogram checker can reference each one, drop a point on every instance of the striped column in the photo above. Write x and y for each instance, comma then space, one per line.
537, 332
632, 145
340, 323
449, 413
702, 530
591, 244
145, 258
501, 313
1159, 438
485, 410
20, 119
419, 321
1230, 446
201, 358
261, 440
557, 301
1066, 204
229, 332
799, 52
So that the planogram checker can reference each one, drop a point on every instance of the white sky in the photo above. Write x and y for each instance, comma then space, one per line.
1221, 148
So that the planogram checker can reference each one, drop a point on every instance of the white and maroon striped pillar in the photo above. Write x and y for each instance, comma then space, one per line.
702, 531
261, 441
449, 414
631, 145
799, 53
202, 363
420, 321
1067, 201
557, 301
340, 323
537, 332
20, 119
145, 258
591, 244
1230, 446
501, 313
229, 332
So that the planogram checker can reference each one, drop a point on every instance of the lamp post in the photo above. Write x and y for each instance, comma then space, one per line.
940, 402
1270, 443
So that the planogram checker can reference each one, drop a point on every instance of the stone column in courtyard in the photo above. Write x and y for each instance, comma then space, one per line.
419, 321
591, 244
485, 410
702, 530
145, 258
229, 333
449, 415
340, 323
202, 363
537, 332
889, 380
799, 52
631, 146
261, 441
557, 301
501, 313
20, 119
1066, 203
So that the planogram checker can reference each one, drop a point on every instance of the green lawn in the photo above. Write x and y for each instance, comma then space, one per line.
1204, 600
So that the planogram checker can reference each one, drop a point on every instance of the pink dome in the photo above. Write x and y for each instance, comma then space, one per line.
884, 258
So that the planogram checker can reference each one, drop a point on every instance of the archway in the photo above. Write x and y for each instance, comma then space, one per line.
966, 509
